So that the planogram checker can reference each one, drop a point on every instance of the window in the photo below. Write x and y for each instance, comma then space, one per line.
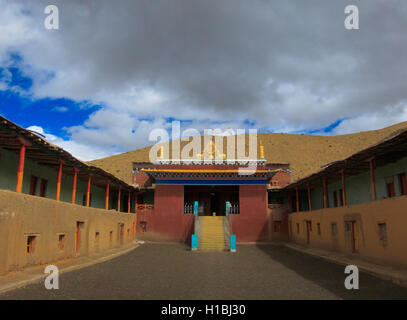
334, 229
298, 228
43, 187
33, 185
97, 237
30, 245
110, 236
390, 187
403, 184
319, 228
383, 233
61, 242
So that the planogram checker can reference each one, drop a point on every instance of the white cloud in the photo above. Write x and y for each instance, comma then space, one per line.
84, 152
59, 109
210, 64
373, 121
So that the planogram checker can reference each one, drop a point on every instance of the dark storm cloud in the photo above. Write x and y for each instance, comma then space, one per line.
284, 64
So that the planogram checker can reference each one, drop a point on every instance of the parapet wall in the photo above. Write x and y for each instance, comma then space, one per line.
372, 241
61, 230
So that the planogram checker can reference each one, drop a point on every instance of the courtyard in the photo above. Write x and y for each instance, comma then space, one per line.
171, 271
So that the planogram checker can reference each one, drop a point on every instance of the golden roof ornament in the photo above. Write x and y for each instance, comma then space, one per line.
211, 152
261, 151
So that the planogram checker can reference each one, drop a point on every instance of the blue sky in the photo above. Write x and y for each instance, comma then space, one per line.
57, 114
111, 74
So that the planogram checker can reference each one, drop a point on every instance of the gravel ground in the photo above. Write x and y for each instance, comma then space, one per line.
171, 271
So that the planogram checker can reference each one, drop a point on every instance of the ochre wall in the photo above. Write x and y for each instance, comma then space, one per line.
392, 211
251, 224
22, 215
166, 222
277, 213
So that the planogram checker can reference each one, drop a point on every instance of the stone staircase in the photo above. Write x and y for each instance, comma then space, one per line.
212, 233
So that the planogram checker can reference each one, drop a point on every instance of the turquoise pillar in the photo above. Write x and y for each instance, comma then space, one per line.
196, 207
194, 242
233, 243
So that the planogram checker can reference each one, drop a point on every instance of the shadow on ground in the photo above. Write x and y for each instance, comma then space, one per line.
331, 276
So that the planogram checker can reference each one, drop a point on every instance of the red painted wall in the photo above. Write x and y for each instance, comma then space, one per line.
251, 224
167, 222
143, 179
280, 179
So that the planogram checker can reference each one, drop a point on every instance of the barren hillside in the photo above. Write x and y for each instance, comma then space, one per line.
304, 153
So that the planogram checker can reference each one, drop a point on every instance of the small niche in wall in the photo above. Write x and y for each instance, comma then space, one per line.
383, 233
61, 241
31, 244
334, 228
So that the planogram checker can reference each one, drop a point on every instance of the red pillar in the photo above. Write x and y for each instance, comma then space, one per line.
20, 169
61, 162
135, 201
129, 202
372, 177
118, 201
88, 191
297, 200
107, 195
325, 192
309, 196
342, 172
75, 177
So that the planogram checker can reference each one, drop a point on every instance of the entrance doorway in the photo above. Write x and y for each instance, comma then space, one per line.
215, 204
351, 228
121, 233
309, 229
211, 199
78, 235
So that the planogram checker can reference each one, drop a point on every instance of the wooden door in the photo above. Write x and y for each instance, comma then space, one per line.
308, 231
121, 233
355, 246
77, 235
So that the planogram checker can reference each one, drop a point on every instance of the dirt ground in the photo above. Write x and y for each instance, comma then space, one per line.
171, 271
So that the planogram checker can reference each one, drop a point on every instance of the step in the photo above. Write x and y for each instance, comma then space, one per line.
211, 237
212, 247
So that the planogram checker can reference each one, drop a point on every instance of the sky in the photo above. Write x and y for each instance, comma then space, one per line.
116, 70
